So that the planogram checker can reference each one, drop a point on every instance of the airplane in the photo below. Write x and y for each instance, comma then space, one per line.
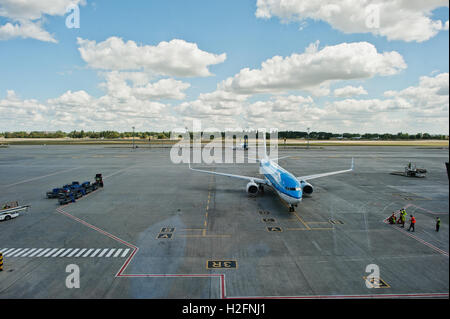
242, 146
287, 186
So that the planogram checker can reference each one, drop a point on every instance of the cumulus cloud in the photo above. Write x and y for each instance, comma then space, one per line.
26, 17
349, 90
117, 85
314, 69
394, 19
217, 103
173, 58
121, 107
432, 93
76, 110
278, 104
424, 107
25, 30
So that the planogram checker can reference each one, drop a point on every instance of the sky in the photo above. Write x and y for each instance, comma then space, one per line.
357, 66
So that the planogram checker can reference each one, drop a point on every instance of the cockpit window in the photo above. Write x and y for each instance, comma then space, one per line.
293, 188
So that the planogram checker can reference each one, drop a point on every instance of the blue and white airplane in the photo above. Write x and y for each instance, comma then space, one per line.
289, 187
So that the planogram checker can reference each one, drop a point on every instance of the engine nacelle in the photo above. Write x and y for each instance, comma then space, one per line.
252, 189
307, 188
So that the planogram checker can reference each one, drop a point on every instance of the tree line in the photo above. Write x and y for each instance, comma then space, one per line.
165, 135
88, 134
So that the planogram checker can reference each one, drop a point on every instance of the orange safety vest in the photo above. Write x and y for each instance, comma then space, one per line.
413, 220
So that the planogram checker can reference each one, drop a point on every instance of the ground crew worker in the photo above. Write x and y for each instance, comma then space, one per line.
438, 223
392, 219
412, 223
403, 218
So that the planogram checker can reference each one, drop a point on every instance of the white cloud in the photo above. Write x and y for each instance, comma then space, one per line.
25, 30
313, 70
133, 105
431, 94
396, 19
32, 9
117, 86
26, 17
349, 90
174, 58
421, 108
217, 103
76, 110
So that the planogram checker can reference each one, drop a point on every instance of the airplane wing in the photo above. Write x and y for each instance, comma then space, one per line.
278, 158
247, 178
306, 178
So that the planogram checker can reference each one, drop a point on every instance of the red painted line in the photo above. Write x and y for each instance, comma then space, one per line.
222, 276
426, 210
172, 275
135, 250
419, 295
442, 252
223, 291
40, 177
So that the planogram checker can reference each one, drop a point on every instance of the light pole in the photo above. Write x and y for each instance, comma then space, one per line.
307, 146
133, 137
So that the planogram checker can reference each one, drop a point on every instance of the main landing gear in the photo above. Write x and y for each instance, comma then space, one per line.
291, 209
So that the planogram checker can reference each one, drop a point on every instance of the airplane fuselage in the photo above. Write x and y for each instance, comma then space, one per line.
284, 183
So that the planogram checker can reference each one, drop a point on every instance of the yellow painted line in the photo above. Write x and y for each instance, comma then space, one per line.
309, 229
188, 229
381, 283
204, 232
205, 223
317, 222
206, 236
302, 221
207, 207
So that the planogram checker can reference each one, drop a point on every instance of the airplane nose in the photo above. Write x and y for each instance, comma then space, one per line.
294, 201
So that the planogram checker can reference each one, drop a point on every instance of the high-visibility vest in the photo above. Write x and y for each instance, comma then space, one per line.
413, 220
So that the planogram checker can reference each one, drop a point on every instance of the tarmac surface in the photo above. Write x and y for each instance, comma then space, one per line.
160, 230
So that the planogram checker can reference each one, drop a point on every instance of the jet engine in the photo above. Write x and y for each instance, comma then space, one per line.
252, 188
307, 188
